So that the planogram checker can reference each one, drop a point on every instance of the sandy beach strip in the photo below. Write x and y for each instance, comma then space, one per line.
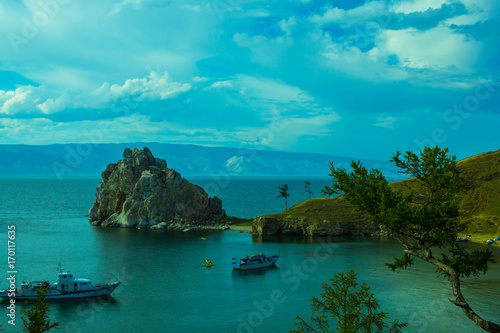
243, 228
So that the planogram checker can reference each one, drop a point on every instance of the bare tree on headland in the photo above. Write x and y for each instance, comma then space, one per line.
308, 190
421, 217
284, 194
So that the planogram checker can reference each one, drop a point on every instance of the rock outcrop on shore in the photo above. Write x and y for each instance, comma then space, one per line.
316, 217
479, 207
141, 191
264, 225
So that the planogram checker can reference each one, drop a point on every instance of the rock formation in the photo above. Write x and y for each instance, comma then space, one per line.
317, 217
140, 191
268, 225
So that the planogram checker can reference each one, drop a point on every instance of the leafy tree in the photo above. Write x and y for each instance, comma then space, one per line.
349, 306
308, 190
36, 319
284, 194
421, 217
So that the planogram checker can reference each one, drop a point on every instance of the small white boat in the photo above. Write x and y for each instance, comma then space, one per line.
66, 286
255, 261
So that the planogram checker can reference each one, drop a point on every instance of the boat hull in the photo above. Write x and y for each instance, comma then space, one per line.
103, 290
272, 261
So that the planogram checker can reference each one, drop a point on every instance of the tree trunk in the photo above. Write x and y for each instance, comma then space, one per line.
461, 302
457, 292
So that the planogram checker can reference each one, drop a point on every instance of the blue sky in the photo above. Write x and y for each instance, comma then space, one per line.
352, 78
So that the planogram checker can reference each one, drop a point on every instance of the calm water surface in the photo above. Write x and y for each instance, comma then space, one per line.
165, 288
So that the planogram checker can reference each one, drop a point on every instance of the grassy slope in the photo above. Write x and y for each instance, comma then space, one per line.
479, 205
316, 210
480, 197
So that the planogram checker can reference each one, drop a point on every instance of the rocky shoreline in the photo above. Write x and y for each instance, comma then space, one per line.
180, 225
268, 225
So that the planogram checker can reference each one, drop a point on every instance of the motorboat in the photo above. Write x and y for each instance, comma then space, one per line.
254, 261
67, 286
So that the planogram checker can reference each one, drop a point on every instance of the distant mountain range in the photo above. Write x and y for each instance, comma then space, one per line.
189, 160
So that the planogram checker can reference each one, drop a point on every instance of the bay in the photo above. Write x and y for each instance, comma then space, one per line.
165, 289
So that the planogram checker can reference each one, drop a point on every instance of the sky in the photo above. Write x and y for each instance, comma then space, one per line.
348, 77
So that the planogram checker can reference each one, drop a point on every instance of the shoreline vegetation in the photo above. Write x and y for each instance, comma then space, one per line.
479, 207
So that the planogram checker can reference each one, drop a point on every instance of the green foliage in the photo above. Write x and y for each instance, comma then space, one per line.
348, 307
401, 263
419, 217
307, 188
423, 217
465, 263
283, 193
36, 319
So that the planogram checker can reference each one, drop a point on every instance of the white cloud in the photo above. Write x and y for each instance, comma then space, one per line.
351, 61
137, 4
27, 131
146, 89
23, 100
284, 133
387, 122
81, 46
412, 6
437, 48
435, 57
469, 19
359, 15
264, 50
288, 25
192, 8
200, 79
129, 128
222, 84
271, 90
478, 11
29, 99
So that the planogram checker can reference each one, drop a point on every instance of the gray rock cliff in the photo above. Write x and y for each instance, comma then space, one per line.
140, 191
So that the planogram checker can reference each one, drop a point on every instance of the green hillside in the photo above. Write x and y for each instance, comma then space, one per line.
480, 197
321, 209
479, 203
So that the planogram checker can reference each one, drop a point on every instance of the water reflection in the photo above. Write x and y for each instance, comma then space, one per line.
84, 308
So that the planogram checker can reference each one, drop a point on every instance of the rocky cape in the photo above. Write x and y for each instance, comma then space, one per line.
317, 217
479, 207
141, 191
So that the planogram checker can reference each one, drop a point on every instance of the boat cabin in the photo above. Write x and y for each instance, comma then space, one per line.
249, 260
67, 283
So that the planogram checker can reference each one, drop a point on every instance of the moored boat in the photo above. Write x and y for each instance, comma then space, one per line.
255, 261
67, 286
462, 239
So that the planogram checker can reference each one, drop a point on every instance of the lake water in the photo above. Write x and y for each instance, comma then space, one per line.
165, 289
